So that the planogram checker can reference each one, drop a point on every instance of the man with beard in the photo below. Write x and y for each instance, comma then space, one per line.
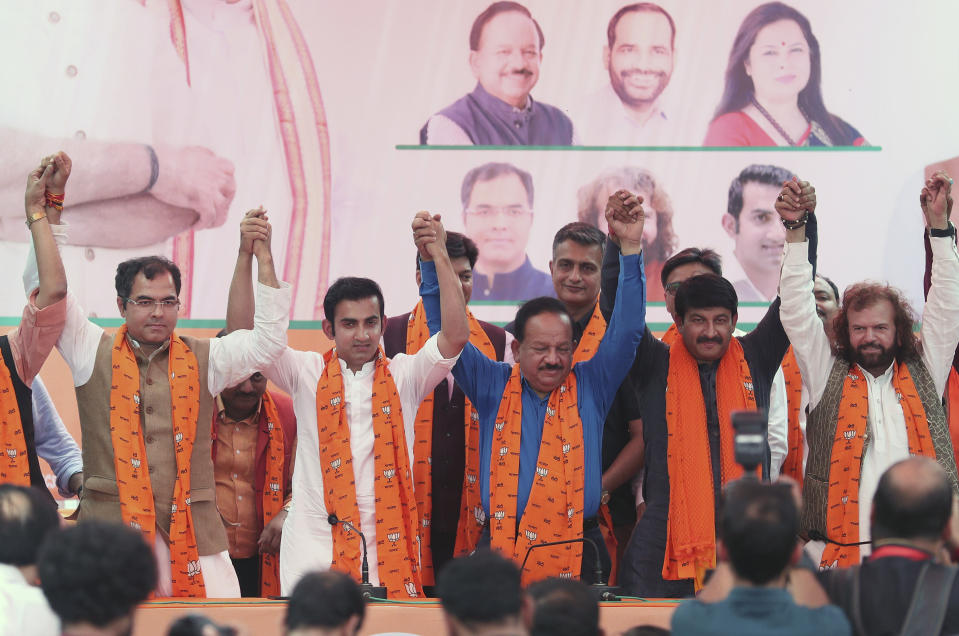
639, 58
687, 391
875, 396
506, 49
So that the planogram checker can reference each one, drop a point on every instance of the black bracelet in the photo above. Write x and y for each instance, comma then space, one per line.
798, 223
939, 233
154, 169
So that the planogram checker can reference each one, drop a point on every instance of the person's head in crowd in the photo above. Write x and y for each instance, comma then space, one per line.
646, 630
543, 347
148, 288
27, 516
758, 528
684, 264
94, 575
354, 311
506, 49
659, 239
913, 503
564, 607
483, 594
874, 327
752, 222
463, 254
640, 45
498, 215
576, 266
706, 309
243, 399
199, 625
827, 302
775, 60
325, 604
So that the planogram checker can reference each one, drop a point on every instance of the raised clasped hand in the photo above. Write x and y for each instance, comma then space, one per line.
795, 199
625, 217
936, 199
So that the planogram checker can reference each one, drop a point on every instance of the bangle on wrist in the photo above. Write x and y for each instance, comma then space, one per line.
36, 216
154, 169
798, 223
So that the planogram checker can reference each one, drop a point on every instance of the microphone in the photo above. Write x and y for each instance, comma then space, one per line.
816, 535
367, 590
602, 591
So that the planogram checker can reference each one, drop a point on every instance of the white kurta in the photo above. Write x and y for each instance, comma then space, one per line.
886, 422
307, 542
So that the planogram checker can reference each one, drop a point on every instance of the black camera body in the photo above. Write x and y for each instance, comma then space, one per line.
749, 441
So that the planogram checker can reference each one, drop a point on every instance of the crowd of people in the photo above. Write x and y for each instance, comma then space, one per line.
433, 454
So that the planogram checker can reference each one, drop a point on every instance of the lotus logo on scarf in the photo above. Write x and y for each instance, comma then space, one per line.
500, 425
471, 478
386, 409
479, 514
393, 537
410, 589
193, 568
562, 388
565, 575
550, 412
429, 460
852, 376
542, 471
11, 453
336, 400
474, 415
188, 500
133, 462
499, 515
570, 512
389, 473
531, 535
335, 464
898, 396
274, 487
173, 508
565, 448
134, 525
178, 438
426, 524
269, 426
748, 386
136, 399
504, 451
845, 499
849, 434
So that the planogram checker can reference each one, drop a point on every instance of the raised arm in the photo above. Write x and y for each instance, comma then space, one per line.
43, 201
430, 237
940, 317
240, 305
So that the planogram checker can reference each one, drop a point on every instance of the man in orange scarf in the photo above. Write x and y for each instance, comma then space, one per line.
446, 494
687, 389
145, 403
25, 349
541, 421
355, 412
876, 396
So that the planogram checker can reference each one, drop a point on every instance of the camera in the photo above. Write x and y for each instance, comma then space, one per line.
749, 440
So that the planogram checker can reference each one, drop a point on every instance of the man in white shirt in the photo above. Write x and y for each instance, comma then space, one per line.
26, 518
876, 397
313, 536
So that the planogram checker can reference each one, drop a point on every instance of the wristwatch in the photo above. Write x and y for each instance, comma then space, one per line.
604, 497
940, 233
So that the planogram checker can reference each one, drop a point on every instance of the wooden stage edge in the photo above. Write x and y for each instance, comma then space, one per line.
265, 618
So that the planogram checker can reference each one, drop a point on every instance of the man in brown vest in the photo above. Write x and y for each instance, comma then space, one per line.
156, 474
874, 397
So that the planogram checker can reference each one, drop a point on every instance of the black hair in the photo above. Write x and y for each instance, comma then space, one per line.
476, 32
324, 599
458, 246
754, 173
494, 170
150, 266
904, 512
563, 607
350, 288
535, 307
832, 285
96, 572
194, 624
581, 233
639, 7
480, 589
703, 291
27, 516
758, 525
646, 630
702, 255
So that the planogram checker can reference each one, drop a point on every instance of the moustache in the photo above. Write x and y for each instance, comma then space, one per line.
705, 339
636, 71
522, 71
551, 367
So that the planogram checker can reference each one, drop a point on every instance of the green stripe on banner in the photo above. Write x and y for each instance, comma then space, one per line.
654, 148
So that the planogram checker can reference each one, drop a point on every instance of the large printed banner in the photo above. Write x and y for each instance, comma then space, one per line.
343, 119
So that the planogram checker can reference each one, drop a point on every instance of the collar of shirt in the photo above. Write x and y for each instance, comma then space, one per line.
885, 378
498, 107
139, 348
226, 419
505, 280
364, 371
756, 596
893, 549
612, 101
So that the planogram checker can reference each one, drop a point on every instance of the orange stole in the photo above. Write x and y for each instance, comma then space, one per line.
554, 510
397, 538
792, 465
272, 494
842, 513
130, 458
952, 411
592, 336
469, 527
15, 466
671, 335
691, 526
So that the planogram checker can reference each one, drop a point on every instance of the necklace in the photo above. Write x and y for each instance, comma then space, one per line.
775, 124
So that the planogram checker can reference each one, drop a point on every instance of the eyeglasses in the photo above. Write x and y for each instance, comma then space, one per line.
148, 304
490, 212
672, 288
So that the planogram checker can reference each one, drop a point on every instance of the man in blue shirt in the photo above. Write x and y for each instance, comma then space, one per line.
758, 529
544, 350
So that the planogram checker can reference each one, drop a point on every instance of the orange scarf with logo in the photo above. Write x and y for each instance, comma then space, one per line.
272, 494
592, 336
691, 527
842, 513
397, 536
469, 527
130, 458
792, 466
671, 335
554, 510
952, 411
14, 466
